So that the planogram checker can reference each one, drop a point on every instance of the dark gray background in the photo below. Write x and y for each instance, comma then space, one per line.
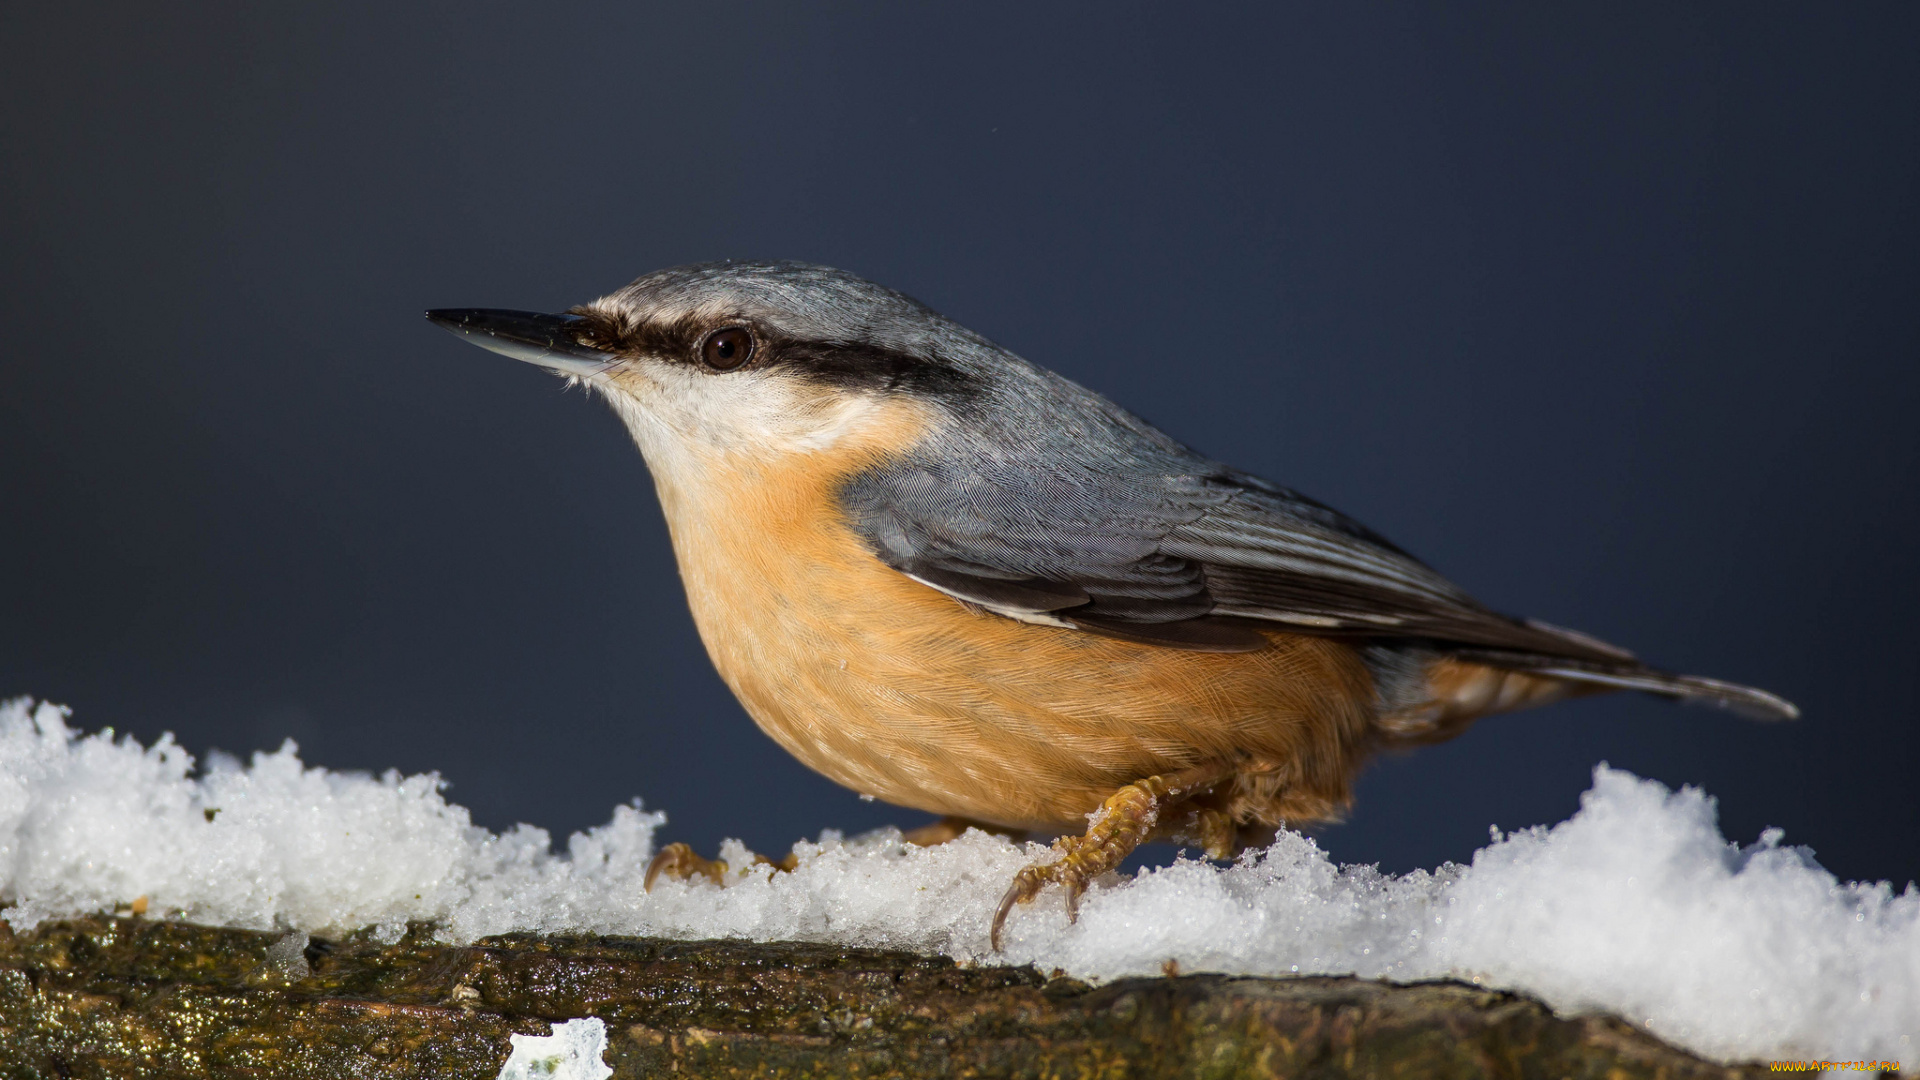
1610, 314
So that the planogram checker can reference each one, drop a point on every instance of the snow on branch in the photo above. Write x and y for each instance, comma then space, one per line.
1635, 906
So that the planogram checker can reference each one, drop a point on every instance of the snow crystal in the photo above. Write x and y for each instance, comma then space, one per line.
575, 1051
1635, 906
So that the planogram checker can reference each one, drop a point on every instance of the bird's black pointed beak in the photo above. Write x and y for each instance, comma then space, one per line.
547, 340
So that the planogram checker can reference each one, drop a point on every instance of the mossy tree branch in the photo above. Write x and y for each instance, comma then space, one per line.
128, 997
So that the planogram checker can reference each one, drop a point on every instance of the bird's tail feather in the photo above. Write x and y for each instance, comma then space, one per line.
1749, 702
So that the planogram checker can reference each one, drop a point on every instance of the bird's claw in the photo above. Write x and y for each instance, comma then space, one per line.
680, 863
1027, 885
1121, 824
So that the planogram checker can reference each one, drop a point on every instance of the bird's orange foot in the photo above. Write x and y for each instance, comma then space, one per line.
1125, 821
678, 862
1121, 824
1206, 828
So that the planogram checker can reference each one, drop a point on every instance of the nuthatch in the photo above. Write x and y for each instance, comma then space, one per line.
947, 578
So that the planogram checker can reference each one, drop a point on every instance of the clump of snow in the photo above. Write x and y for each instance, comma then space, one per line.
573, 1052
1636, 905
287, 956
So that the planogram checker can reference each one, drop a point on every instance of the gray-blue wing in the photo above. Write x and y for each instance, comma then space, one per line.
1189, 559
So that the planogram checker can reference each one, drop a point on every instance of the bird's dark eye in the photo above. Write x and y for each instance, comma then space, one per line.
727, 349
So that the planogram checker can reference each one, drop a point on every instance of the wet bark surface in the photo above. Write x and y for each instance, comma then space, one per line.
129, 997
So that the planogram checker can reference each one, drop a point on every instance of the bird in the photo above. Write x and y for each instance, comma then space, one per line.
953, 580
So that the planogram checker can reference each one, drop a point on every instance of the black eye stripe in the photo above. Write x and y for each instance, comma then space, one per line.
868, 367
846, 364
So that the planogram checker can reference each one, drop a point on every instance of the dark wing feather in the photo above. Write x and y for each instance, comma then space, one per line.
1317, 572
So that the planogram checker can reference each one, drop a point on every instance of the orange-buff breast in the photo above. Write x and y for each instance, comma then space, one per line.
898, 691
